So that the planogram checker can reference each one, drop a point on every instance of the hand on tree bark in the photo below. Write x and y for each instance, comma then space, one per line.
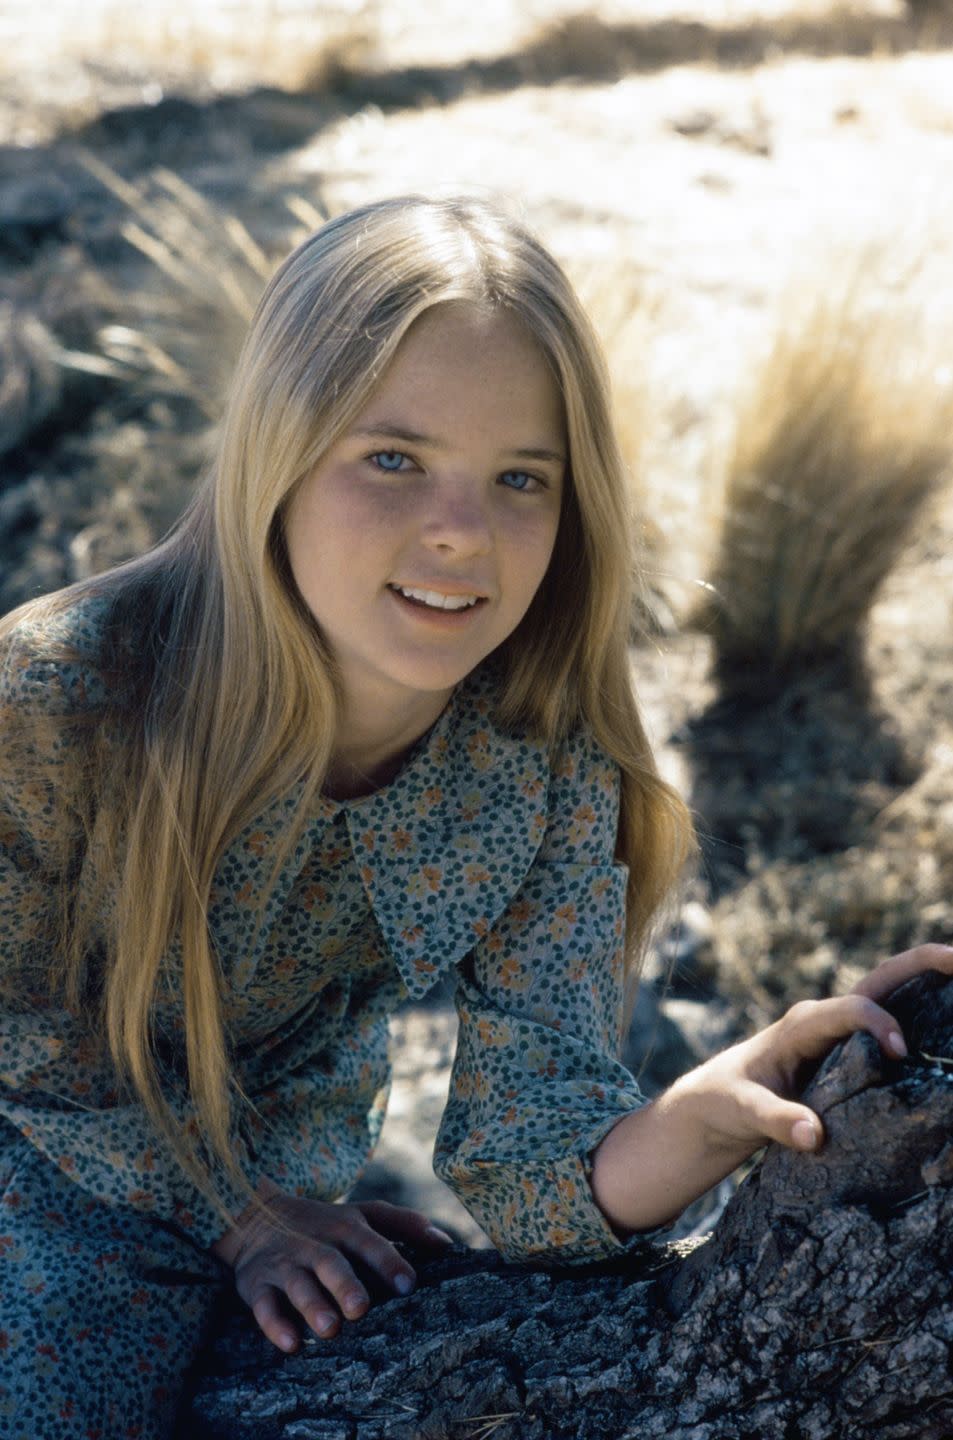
305, 1264
660, 1158
820, 1307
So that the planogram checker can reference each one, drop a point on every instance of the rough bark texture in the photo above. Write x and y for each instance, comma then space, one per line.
820, 1306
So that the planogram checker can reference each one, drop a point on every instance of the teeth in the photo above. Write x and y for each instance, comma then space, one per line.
438, 601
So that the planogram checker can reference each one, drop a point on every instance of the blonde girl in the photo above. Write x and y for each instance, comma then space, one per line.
361, 720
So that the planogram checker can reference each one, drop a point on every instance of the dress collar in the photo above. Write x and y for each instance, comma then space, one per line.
444, 847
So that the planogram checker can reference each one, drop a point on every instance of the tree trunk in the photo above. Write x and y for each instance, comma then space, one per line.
819, 1307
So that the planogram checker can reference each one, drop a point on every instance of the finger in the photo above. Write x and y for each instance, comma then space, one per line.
311, 1301
787, 1122
889, 974
364, 1242
811, 1027
398, 1222
339, 1280
272, 1321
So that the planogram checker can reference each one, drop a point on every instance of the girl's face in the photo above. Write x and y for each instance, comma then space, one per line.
420, 538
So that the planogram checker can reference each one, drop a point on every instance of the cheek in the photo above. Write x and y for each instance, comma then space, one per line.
534, 548
333, 526
367, 513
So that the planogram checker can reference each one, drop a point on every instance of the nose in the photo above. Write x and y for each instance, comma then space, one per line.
457, 519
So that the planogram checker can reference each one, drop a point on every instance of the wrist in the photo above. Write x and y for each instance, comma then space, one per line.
656, 1160
692, 1100
229, 1246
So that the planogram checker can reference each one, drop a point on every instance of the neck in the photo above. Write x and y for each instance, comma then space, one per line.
371, 746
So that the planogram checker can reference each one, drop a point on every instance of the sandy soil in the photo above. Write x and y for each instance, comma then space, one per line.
685, 195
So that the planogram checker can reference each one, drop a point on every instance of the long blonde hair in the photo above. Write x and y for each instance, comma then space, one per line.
215, 603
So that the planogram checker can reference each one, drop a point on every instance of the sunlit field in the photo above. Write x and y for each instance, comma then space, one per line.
754, 200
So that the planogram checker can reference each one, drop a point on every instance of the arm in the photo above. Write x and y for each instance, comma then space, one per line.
318, 1082
654, 1163
535, 1084
319, 1097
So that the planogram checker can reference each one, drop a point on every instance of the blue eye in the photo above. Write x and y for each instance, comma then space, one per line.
390, 460
518, 479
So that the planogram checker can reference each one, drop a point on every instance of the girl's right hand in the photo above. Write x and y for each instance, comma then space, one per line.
310, 1272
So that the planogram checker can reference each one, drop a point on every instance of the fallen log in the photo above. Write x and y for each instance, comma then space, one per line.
820, 1306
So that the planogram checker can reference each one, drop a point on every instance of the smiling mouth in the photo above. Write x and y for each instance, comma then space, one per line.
436, 600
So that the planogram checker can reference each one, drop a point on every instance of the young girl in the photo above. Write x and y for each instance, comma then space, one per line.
363, 719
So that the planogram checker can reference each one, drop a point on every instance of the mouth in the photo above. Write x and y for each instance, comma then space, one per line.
437, 599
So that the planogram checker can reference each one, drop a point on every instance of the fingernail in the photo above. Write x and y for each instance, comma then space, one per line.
403, 1284
896, 1043
805, 1134
286, 1340
433, 1232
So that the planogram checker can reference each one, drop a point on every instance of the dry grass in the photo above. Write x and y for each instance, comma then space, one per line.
67, 61
170, 338
930, 10
585, 45
277, 42
123, 420
30, 378
615, 298
185, 336
844, 437
813, 929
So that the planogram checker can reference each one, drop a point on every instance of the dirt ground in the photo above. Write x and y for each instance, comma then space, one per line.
689, 163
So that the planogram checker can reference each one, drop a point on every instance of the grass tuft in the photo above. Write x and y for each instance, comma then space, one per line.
217, 270
132, 374
844, 437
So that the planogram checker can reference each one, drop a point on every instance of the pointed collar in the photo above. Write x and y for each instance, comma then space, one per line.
446, 845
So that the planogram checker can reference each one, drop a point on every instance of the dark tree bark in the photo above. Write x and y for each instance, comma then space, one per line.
820, 1306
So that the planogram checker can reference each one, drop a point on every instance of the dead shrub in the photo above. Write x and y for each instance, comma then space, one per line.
183, 337
844, 436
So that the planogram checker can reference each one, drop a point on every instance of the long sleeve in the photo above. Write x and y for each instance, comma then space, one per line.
319, 1096
535, 1085
57, 1087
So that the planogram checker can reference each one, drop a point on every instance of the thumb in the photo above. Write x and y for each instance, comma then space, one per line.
790, 1124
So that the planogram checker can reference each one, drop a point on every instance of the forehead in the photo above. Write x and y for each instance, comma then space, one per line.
455, 321
461, 354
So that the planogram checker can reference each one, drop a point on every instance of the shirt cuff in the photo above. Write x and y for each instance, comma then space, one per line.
545, 1213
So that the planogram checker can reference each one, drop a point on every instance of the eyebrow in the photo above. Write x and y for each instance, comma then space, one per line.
384, 430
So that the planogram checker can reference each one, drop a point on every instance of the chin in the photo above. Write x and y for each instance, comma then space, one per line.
432, 674
432, 681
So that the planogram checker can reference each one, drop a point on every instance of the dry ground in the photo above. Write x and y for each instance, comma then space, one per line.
688, 163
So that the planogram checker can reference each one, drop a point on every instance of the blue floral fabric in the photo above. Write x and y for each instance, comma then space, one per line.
486, 856
103, 1310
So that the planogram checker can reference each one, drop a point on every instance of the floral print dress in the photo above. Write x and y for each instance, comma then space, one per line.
486, 856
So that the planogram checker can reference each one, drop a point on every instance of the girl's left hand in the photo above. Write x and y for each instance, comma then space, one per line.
662, 1156
892, 973
760, 1076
